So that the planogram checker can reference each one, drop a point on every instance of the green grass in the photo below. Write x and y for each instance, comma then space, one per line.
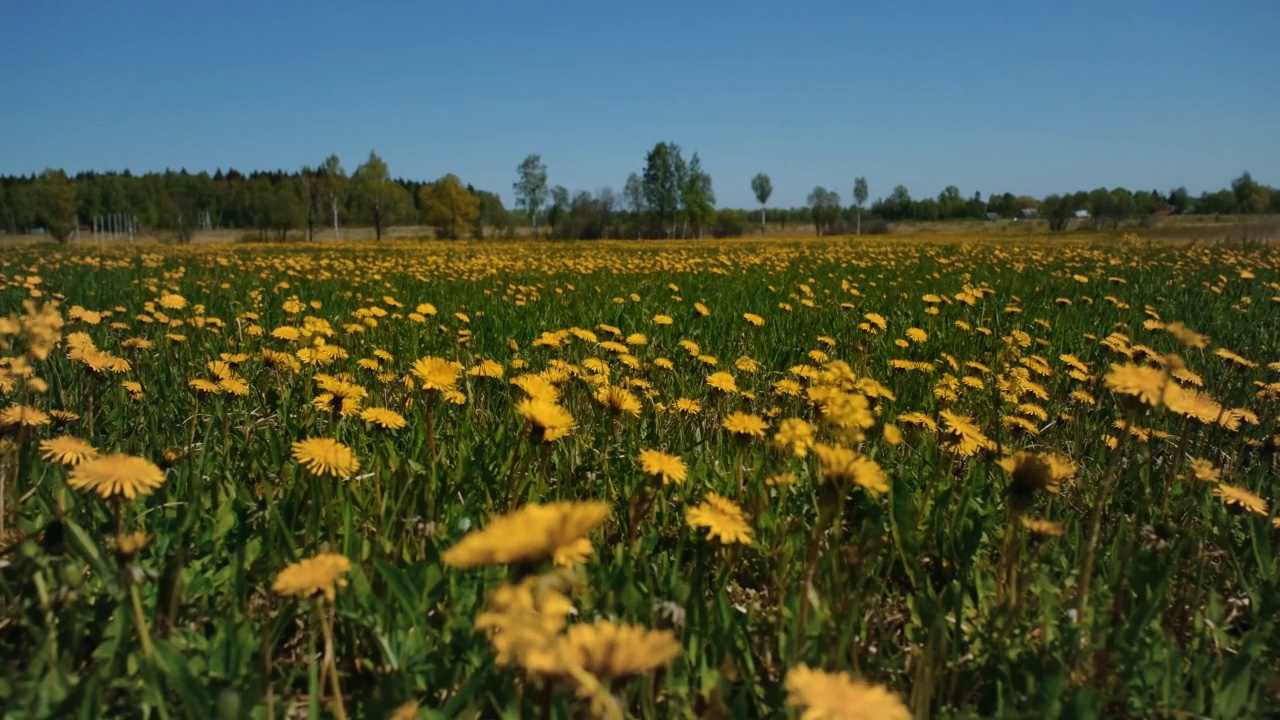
911, 589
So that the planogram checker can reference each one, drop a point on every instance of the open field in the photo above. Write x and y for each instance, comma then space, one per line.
943, 476
1204, 228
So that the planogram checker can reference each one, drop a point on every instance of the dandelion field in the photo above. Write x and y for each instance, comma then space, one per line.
821, 479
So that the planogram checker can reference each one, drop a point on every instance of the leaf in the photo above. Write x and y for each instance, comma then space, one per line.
398, 584
89, 552
196, 700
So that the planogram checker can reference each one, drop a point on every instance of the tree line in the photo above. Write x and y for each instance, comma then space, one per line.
314, 201
670, 196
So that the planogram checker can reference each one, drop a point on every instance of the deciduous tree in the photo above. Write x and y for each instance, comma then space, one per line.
824, 207
449, 207
56, 204
859, 198
665, 173
531, 187
378, 199
762, 186
697, 197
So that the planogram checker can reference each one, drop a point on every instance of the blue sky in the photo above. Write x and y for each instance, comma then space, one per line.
992, 95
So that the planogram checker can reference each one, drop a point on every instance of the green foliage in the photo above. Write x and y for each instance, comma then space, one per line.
665, 175
762, 187
531, 187
56, 204
378, 200
449, 207
824, 208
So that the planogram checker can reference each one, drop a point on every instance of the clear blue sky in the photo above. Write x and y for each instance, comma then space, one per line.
991, 95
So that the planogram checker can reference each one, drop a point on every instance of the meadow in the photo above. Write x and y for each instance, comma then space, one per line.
877, 478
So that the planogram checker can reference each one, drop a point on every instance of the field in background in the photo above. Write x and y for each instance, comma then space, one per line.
1203, 228
962, 474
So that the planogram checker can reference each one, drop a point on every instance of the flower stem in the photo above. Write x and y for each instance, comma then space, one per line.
326, 626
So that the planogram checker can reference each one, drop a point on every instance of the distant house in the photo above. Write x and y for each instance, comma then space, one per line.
1083, 214
1165, 212
1028, 213
993, 216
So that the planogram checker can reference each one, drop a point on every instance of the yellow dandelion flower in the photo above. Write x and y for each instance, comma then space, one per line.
618, 400
326, 456
116, 474
722, 381
1146, 384
383, 418
171, 301
722, 519
63, 416
608, 650
745, 425
1238, 498
837, 696
1204, 470
962, 435
486, 369
550, 421
537, 387
795, 435
131, 544
435, 373
321, 574
23, 416
234, 385
67, 450
892, 434
843, 465
780, 479
687, 406
659, 464
1031, 472
1041, 529
532, 533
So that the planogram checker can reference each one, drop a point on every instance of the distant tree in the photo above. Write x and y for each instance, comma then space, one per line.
1123, 206
950, 204
286, 209
531, 187
898, 206
664, 176
763, 188
1180, 200
559, 205
309, 191
1058, 210
1243, 187
449, 207
492, 212
697, 197
378, 199
824, 207
331, 182
1099, 206
1146, 202
860, 195
1222, 202
633, 197
56, 204
588, 217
